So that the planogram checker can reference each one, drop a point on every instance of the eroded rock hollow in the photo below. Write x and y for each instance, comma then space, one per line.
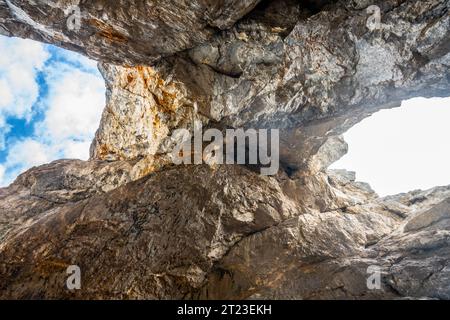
140, 227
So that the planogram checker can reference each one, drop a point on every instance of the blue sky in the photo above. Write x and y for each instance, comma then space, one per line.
51, 102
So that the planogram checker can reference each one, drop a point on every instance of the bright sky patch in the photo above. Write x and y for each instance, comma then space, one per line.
51, 102
402, 149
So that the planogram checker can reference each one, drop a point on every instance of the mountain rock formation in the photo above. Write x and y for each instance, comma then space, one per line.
140, 227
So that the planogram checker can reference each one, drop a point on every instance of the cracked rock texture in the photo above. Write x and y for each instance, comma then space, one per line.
142, 228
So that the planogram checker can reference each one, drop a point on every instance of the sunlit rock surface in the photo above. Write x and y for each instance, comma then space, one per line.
140, 227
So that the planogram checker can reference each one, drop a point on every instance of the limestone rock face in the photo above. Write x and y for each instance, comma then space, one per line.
330, 255
140, 227
282, 67
228, 233
122, 31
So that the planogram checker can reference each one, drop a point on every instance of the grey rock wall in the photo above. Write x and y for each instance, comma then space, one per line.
142, 228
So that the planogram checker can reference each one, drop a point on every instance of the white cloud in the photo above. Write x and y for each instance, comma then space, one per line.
31, 152
77, 149
2, 173
20, 62
28, 153
23, 155
74, 104
71, 109
402, 149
